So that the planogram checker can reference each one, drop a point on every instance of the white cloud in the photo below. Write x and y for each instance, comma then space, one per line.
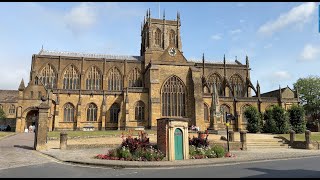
267, 46
281, 75
236, 31
242, 20
296, 15
216, 37
310, 52
81, 17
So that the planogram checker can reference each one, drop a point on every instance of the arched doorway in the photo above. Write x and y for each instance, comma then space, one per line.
178, 144
32, 118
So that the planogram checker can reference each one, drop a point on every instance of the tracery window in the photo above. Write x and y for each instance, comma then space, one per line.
48, 76
214, 79
237, 85
157, 35
135, 79
68, 115
172, 37
71, 79
139, 111
114, 112
93, 79
12, 109
114, 80
92, 112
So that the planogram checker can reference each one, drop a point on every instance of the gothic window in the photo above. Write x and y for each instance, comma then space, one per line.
172, 37
237, 85
114, 113
93, 79
244, 119
36, 81
139, 111
68, 115
173, 97
157, 36
92, 112
206, 112
48, 77
214, 79
71, 79
135, 79
12, 109
224, 108
114, 80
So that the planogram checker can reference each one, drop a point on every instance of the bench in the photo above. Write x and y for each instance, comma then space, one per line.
88, 128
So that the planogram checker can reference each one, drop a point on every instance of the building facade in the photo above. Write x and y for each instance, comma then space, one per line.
123, 92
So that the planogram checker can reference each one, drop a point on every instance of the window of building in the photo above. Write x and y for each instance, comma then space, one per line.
157, 36
12, 109
48, 77
68, 113
173, 97
71, 79
92, 112
214, 79
139, 111
114, 80
135, 79
206, 112
237, 85
172, 37
114, 112
93, 80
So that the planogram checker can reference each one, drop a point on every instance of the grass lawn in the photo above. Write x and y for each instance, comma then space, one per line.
315, 136
3, 133
96, 133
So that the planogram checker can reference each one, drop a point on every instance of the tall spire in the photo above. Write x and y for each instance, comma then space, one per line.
21, 86
164, 14
203, 64
258, 89
247, 61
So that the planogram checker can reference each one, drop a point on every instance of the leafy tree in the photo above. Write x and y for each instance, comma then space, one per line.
254, 119
309, 95
2, 115
269, 125
281, 120
296, 117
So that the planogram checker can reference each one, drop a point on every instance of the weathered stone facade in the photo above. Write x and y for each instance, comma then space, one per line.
121, 92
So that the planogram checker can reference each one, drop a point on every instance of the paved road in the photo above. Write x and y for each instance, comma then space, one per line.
18, 161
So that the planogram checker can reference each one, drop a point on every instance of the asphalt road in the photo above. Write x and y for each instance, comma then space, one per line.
297, 168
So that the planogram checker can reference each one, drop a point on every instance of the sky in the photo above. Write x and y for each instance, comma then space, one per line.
281, 39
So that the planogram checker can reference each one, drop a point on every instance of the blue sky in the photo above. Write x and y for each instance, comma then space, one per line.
281, 39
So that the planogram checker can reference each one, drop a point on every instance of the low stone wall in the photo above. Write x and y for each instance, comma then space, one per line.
302, 145
233, 146
87, 146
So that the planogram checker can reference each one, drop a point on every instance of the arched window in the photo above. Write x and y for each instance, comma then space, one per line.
139, 111
173, 97
206, 112
237, 85
244, 119
172, 37
214, 79
157, 36
114, 80
92, 112
48, 77
71, 79
93, 79
135, 79
68, 115
224, 108
12, 109
114, 112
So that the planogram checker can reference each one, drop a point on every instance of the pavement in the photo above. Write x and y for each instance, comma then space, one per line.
17, 150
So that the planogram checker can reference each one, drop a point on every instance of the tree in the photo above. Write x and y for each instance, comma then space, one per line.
309, 95
253, 117
2, 115
269, 125
296, 117
281, 120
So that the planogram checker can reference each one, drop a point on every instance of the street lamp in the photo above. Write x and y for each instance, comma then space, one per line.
227, 124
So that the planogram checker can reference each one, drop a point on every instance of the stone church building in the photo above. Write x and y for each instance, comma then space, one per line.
123, 92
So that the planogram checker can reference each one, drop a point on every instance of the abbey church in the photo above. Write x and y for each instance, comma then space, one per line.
123, 92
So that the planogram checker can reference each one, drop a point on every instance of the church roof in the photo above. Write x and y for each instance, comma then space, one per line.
9, 96
212, 61
88, 55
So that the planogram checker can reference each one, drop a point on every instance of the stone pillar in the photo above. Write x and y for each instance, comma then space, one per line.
231, 136
308, 139
292, 136
63, 140
243, 140
40, 140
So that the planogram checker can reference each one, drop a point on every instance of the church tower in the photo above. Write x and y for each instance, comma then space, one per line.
157, 35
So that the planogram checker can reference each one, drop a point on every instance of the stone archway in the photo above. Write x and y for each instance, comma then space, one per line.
31, 118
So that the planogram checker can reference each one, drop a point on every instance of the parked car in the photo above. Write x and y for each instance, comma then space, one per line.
3, 127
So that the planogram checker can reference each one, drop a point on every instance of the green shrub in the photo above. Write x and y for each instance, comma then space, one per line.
281, 120
218, 150
124, 152
269, 125
192, 150
254, 119
296, 118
